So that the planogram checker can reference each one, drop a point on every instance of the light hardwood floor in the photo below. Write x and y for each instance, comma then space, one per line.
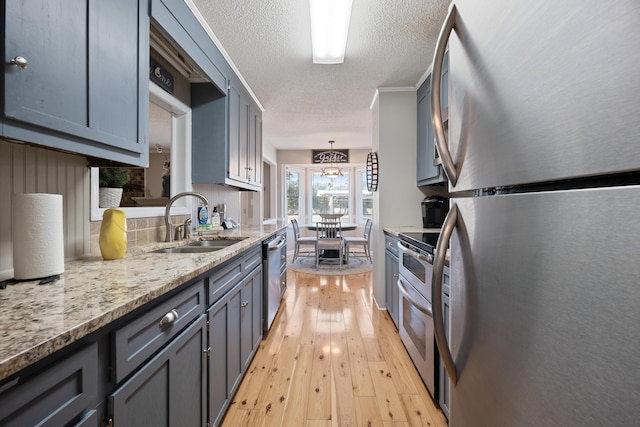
332, 358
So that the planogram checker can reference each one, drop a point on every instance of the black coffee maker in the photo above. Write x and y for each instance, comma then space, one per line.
434, 210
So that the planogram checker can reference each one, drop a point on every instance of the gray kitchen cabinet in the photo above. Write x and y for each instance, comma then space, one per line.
227, 137
251, 316
224, 360
429, 170
170, 389
235, 327
80, 81
444, 389
143, 336
391, 267
62, 392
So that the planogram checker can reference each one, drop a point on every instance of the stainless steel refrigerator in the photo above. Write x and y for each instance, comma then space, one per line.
543, 157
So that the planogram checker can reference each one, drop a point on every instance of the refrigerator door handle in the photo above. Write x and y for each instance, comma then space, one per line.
436, 109
405, 292
436, 293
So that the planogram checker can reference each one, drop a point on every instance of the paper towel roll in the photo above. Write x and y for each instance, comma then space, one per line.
38, 239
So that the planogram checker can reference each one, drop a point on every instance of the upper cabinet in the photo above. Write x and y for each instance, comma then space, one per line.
226, 122
429, 169
75, 76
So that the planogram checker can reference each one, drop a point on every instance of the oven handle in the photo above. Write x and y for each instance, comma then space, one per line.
405, 292
436, 293
407, 249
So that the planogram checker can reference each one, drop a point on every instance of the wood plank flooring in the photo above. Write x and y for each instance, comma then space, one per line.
332, 358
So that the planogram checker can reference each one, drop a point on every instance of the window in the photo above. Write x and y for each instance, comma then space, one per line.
365, 197
330, 195
346, 195
293, 182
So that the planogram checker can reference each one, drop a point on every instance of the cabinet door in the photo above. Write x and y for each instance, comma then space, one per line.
391, 279
85, 79
429, 171
170, 390
251, 313
254, 159
235, 134
224, 362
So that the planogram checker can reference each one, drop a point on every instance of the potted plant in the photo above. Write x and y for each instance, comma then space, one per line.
110, 181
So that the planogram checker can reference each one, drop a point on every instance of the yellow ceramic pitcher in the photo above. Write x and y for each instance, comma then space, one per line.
113, 234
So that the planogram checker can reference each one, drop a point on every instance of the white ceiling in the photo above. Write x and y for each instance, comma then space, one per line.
390, 44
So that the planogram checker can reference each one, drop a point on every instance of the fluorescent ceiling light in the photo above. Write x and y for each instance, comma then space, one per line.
329, 30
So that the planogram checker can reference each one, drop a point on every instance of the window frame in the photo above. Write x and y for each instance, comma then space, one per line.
306, 209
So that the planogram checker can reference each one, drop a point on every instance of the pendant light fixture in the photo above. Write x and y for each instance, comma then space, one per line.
331, 171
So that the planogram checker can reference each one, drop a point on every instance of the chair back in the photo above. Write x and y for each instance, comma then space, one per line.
331, 229
296, 228
367, 228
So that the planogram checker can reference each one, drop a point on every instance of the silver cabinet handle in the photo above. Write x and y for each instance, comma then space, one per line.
19, 62
436, 292
405, 292
169, 318
436, 109
243, 304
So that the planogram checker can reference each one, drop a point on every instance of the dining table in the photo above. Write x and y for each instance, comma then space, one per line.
331, 253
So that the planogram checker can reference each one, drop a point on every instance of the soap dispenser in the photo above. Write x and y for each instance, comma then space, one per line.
215, 217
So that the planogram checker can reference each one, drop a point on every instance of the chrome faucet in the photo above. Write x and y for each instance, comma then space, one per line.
167, 212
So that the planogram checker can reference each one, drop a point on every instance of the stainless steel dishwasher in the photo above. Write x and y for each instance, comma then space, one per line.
274, 267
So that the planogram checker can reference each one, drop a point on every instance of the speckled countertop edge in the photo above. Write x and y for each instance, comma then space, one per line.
38, 320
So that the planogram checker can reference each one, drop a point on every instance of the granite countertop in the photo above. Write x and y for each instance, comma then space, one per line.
38, 320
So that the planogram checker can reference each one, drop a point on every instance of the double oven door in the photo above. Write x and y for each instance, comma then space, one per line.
415, 315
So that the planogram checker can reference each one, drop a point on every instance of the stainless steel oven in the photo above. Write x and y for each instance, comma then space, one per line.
415, 314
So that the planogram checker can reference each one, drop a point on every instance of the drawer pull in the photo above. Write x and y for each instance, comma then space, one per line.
243, 304
19, 62
169, 318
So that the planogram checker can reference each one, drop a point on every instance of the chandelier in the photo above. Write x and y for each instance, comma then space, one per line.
331, 171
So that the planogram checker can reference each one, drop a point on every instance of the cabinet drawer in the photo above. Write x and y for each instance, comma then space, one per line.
224, 279
55, 396
391, 244
142, 337
252, 259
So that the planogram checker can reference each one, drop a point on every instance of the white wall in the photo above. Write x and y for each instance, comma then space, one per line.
397, 201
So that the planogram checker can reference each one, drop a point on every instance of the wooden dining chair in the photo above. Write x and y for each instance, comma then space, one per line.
329, 242
364, 241
301, 241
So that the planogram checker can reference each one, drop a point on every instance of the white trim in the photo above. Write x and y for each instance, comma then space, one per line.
180, 159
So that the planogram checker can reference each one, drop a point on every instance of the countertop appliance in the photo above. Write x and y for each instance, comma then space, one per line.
415, 323
434, 211
274, 264
544, 134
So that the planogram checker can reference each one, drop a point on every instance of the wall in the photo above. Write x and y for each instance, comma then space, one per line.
397, 201
27, 169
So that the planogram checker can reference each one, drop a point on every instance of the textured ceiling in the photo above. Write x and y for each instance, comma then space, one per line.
390, 44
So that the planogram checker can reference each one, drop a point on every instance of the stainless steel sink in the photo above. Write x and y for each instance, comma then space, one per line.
189, 249
214, 243
200, 247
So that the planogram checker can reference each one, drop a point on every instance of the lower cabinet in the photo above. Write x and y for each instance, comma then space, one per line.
170, 389
391, 276
59, 394
174, 362
235, 330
